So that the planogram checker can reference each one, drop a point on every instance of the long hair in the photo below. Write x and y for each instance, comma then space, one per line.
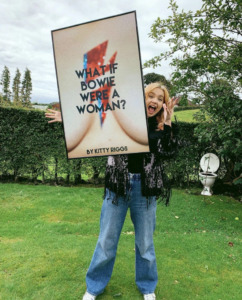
160, 114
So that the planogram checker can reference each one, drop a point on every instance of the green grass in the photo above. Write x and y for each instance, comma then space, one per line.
48, 235
185, 115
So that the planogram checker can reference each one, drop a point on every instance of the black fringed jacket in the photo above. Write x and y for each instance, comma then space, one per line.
163, 145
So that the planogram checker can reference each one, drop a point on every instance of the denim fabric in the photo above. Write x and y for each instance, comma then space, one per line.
111, 222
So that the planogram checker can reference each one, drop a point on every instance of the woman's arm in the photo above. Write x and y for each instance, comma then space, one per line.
164, 142
53, 114
167, 146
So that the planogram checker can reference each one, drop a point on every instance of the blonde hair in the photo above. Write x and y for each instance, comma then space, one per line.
160, 115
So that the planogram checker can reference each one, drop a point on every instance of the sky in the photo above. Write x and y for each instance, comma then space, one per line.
25, 34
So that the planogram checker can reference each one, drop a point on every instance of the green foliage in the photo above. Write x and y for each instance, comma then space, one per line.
31, 147
5, 82
183, 101
184, 169
94, 167
21, 91
153, 77
223, 126
16, 87
27, 142
26, 89
209, 40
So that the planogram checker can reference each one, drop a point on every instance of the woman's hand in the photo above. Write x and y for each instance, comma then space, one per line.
53, 114
169, 110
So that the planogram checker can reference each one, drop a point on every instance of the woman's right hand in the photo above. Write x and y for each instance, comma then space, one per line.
53, 114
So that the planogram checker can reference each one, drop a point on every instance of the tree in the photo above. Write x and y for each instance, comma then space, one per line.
205, 51
26, 89
204, 45
183, 101
153, 77
5, 82
16, 87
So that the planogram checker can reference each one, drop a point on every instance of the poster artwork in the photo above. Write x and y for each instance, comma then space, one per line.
100, 87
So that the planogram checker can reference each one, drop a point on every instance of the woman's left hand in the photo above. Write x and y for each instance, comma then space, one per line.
169, 110
53, 114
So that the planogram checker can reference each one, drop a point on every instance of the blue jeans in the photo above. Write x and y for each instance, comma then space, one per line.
111, 223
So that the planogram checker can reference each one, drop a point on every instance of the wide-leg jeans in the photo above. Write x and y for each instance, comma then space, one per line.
111, 222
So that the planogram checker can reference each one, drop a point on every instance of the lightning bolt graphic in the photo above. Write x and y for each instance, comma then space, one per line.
91, 60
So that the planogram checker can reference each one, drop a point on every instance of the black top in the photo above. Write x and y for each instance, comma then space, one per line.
135, 161
154, 181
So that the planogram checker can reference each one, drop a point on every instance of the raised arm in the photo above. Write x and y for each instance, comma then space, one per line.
54, 115
165, 142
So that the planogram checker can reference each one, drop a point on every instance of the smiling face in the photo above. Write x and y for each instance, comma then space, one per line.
154, 101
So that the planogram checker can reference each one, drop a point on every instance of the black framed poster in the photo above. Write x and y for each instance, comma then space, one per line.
100, 87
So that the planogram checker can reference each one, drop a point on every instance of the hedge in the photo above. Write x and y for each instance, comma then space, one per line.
32, 148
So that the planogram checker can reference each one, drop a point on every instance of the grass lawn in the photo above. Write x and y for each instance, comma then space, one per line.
48, 235
185, 115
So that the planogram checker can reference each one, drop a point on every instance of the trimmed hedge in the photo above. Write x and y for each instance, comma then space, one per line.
184, 169
32, 148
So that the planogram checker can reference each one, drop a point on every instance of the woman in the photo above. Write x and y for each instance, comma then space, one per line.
134, 181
